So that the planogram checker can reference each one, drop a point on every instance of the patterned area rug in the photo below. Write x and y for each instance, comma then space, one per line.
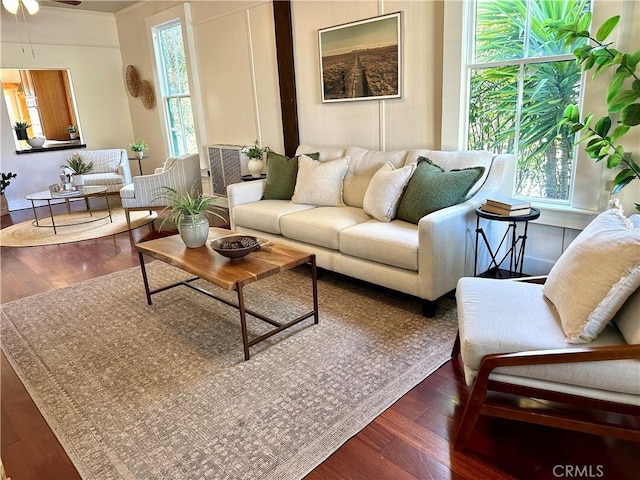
155, 392
26, 234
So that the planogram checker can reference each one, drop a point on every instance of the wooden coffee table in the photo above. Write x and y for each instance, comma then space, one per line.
228, 274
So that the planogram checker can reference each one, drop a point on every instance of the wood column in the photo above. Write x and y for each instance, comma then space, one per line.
286, 75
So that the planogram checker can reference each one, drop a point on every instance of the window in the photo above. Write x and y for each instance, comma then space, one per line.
519, 81
174, 87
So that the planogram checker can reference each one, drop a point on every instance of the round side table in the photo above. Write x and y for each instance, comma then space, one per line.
515, 252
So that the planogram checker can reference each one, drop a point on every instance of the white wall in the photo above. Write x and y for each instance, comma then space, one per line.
87, 45
412, 121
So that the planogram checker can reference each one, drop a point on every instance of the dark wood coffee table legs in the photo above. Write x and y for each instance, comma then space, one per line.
240, 305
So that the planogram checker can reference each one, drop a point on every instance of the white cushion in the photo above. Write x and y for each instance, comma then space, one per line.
104, 161
363, 164
595, 275
628, 319
322, 225
394, 243
320, 183
385, 189
502, 316
265, 215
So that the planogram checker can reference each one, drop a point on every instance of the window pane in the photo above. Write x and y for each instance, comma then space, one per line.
545, 154
499, 30
181, 127
173, 60
541, 44
492, 109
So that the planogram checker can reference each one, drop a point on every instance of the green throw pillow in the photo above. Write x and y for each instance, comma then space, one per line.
432, 188
281, 176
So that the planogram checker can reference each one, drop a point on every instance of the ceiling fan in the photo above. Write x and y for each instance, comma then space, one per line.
32, 6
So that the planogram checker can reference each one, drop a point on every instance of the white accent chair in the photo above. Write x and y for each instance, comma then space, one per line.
111, 168
515, 337
145, 193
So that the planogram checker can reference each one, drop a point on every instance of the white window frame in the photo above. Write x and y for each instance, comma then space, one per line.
181, 14
588, 193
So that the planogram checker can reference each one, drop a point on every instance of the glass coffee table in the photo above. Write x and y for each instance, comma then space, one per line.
85, 192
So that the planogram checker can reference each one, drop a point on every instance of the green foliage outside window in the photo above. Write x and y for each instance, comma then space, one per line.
516, 104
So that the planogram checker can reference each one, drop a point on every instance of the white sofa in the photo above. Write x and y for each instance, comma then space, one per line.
424, 260
110, 168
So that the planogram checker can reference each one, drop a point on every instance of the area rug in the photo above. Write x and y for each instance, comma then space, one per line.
134, 391
26, 234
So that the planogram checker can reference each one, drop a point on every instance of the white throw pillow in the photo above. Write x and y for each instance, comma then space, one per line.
595, 275
320, 183
384, 191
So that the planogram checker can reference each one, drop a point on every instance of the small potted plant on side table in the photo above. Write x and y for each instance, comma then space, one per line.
188, 211
255, 154
78, 168
4, 183
72, 130
139, 147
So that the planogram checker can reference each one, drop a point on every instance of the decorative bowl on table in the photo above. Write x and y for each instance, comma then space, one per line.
235, 246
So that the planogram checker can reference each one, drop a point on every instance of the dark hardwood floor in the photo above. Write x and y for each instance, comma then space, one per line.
411, 440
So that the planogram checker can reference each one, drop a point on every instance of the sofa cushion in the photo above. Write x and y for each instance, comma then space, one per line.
104, 161
595, 275
363, 164
457, 160
501, 316
384, 191
627, 319
320, 183
432, 188
324, 153
394, 243
321, 225
112, 181
265, 215
281, 176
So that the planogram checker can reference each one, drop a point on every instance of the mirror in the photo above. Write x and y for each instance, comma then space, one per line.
43, 99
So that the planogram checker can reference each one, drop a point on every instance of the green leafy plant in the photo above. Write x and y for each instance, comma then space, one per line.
6, 180
622, 98
184, 204
71, 129
139, 146
255, 151
77, 165
21, 126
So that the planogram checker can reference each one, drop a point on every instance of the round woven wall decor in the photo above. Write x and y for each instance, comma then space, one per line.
133, 80
146, 95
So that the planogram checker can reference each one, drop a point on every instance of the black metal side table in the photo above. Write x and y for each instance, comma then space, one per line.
515, 253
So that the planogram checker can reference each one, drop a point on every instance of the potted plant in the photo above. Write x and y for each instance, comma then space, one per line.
21, 130
4, 183
255, 153
622, 98
78, 168
188, 211
139, 147
72, 130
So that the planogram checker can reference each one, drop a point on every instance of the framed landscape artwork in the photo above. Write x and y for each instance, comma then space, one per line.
361, 60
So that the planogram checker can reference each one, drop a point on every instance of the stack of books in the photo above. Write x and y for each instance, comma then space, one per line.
506, 206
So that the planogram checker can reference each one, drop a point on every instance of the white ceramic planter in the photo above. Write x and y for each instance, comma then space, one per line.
194, 230
255, 167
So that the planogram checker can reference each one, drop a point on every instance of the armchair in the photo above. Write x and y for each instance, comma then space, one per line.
181, 174
518, 337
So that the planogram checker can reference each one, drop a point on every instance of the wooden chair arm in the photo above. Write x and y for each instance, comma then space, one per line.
571, 355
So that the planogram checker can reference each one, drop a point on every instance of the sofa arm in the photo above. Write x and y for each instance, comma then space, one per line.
244, 192
443, 237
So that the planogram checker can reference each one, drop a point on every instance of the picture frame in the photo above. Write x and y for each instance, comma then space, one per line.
361, 60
